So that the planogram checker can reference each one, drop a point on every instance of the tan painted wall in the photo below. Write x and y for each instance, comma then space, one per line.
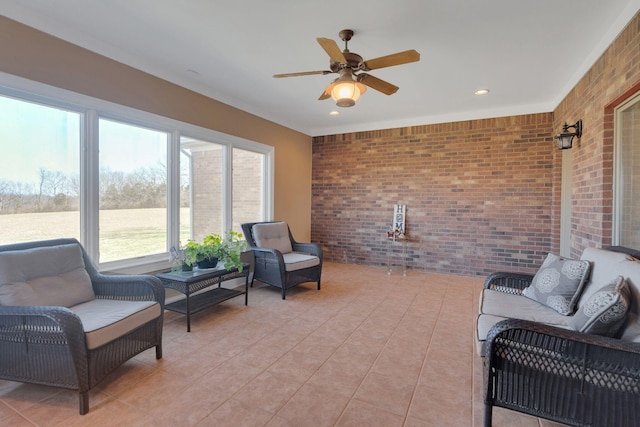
37, 56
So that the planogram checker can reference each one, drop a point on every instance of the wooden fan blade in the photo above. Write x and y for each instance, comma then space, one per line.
303, 73
377, 84
327, 92
391, 60
332, 49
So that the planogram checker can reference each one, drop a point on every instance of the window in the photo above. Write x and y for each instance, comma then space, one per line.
203, 184
128, 184
39, 172
133, 191
627, 174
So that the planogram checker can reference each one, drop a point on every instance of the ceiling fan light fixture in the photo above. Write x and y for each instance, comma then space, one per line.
346, 91
348, 87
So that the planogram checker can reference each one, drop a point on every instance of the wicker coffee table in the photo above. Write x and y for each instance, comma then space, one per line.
190, 282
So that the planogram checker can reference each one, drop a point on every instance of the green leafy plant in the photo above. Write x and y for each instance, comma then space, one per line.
227, 249
231, 248
208, 249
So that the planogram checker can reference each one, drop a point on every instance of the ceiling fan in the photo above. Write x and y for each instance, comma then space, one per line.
352, 82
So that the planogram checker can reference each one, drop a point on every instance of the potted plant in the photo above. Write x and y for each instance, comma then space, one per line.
205, 254
216, 248
231, 248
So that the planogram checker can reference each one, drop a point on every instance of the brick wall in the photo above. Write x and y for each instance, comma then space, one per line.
206, 208
247, 187
478, 194
207, 197
481, 195
612, 79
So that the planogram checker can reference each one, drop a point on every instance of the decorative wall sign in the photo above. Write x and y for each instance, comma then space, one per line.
398, 233
398, 223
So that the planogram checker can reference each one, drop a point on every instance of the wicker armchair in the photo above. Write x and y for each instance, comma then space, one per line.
562, 375
48, 345
282, 262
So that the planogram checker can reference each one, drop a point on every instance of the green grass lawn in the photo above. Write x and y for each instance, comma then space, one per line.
124, 233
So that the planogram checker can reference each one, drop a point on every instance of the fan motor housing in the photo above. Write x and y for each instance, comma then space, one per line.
354, 61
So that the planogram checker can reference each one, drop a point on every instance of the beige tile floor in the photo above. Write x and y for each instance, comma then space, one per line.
369, 349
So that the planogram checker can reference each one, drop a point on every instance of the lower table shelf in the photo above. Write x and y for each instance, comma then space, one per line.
203, 300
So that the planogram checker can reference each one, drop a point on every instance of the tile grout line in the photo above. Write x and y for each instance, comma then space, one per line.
279, 358
426, 354
375, 360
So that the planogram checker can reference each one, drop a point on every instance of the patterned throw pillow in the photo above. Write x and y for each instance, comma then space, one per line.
604, 312
558, 283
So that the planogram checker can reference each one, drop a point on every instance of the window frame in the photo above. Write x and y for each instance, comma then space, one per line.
618, 195
91, 110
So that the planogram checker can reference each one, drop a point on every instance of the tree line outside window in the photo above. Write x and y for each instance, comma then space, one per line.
136, 206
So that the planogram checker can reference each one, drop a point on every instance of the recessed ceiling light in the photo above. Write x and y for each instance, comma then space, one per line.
482, 91
334, 113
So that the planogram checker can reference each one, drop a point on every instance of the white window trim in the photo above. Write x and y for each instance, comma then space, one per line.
617, 170
91, 110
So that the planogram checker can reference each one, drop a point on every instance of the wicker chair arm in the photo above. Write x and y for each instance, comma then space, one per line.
24, 322
310, 248
562, 375
129, 287
508, 282
610, 362
268, 256
267, 252
271, 255
535, 331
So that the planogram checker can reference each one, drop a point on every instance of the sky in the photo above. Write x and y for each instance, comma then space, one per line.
33, 136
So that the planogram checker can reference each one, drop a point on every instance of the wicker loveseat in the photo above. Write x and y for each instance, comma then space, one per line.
64, 324
536, 361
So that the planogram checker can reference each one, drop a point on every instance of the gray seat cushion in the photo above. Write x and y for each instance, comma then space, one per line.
49, 275
105, 320
298, 260
496, 306
274, 235
519, 307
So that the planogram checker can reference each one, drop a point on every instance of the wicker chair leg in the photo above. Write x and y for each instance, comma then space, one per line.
488, 413
84, 402
318, 284
159, 352
284, 293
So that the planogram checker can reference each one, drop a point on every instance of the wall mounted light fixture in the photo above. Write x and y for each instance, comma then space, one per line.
564, 140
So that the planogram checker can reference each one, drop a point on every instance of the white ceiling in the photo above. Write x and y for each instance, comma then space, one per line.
529, 53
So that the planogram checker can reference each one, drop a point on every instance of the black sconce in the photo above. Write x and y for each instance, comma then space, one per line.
564, 140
